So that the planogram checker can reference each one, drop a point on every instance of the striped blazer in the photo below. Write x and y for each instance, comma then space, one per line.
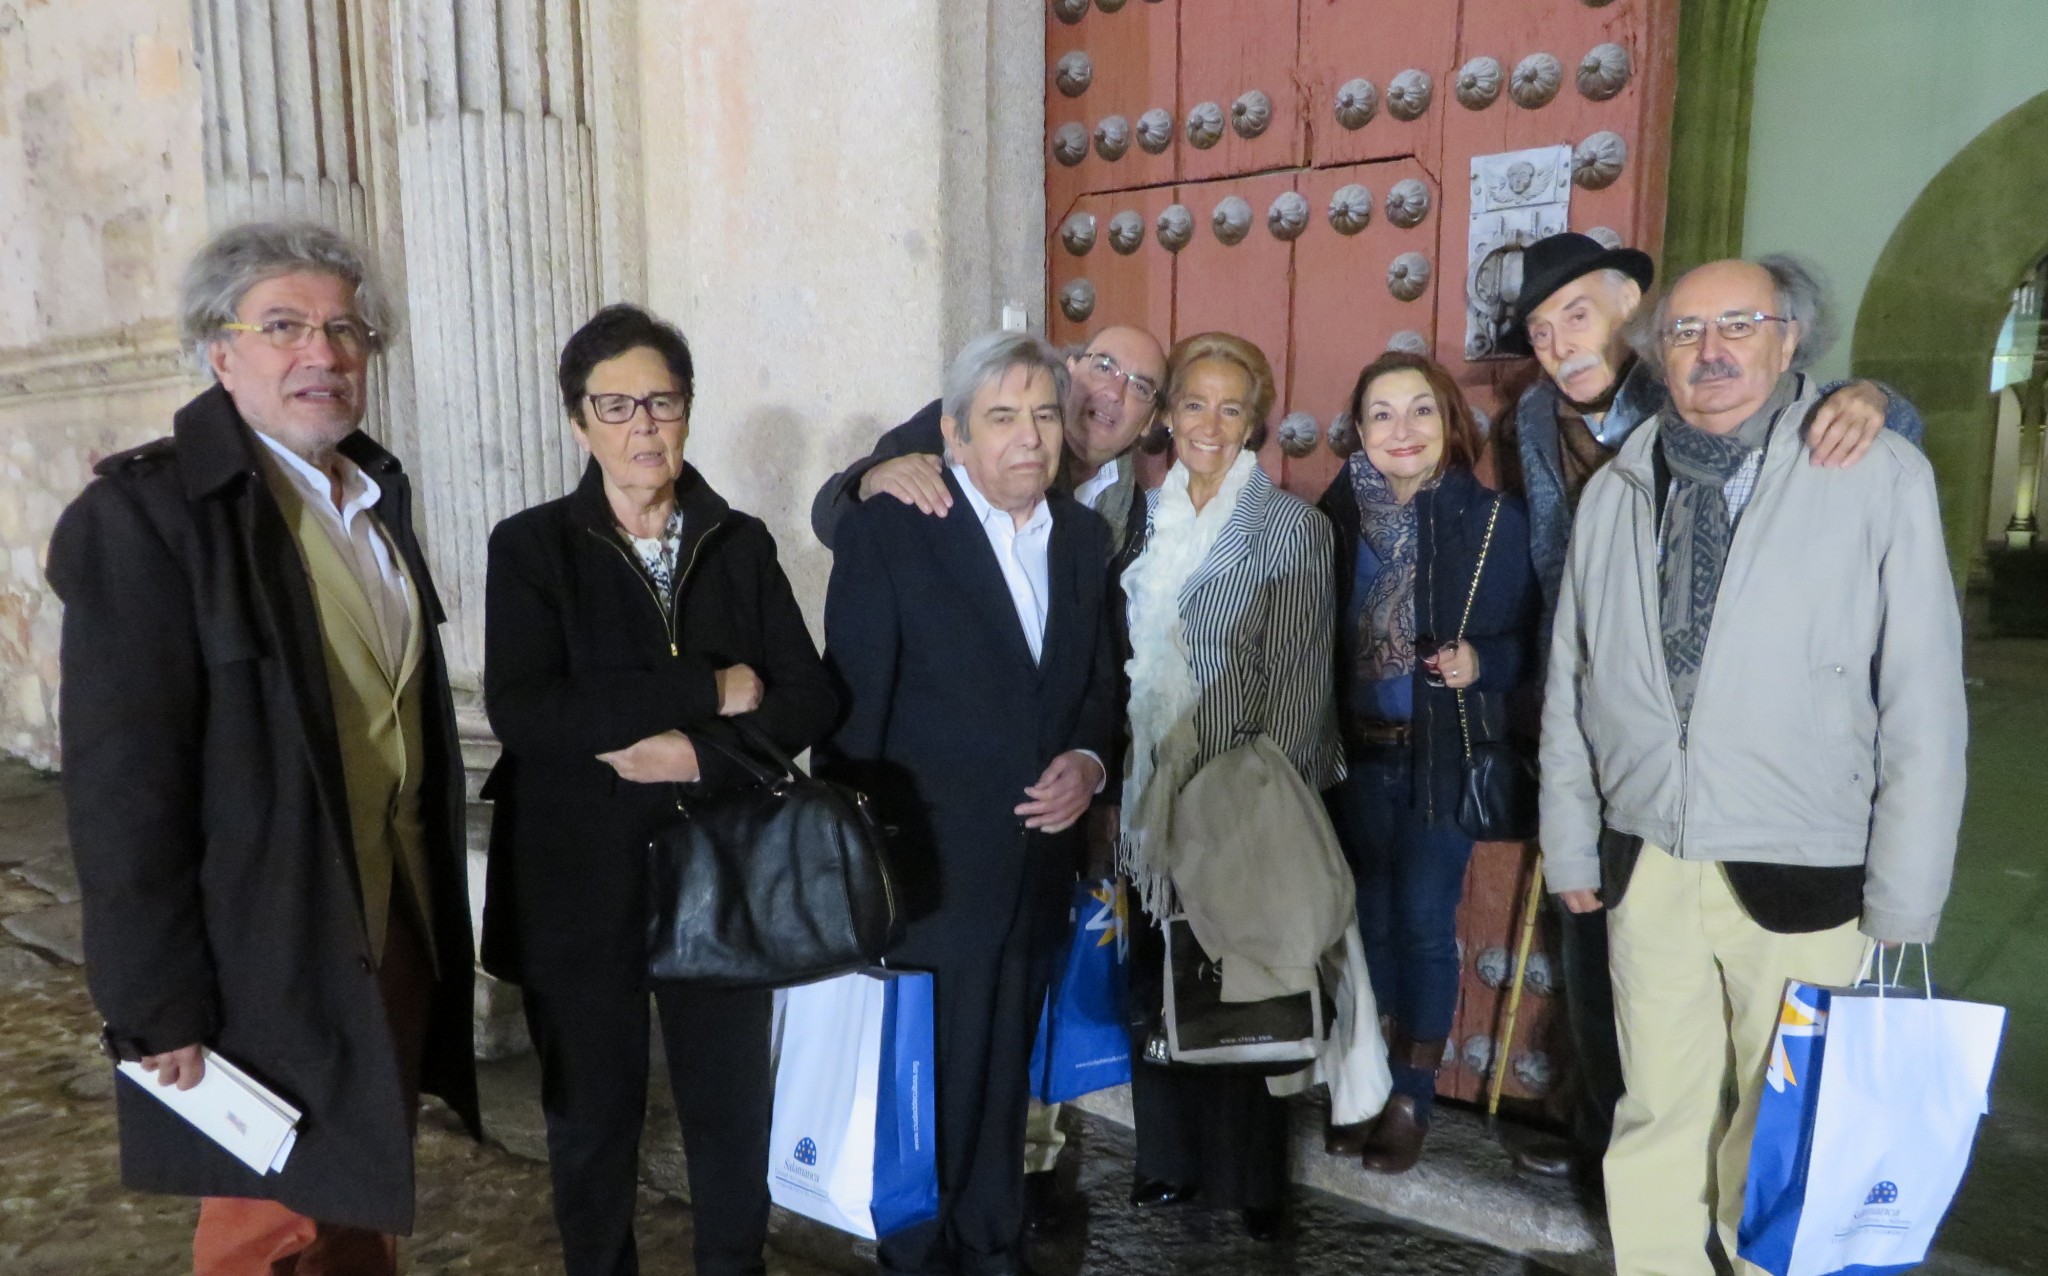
1259, 618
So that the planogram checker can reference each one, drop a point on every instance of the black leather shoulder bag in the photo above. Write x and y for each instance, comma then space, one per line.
778, 881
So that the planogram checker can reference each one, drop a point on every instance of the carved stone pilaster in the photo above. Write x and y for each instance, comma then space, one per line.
499, 190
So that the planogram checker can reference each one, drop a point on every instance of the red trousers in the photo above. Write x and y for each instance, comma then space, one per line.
241, 1236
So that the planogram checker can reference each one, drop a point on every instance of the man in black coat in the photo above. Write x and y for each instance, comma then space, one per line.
1115, 391
976, 658
248, 886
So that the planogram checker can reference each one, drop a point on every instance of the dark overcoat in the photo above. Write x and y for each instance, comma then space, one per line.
580, 659
1451, 520
203, 776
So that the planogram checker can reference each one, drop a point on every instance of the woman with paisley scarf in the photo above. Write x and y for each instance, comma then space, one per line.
1411, 520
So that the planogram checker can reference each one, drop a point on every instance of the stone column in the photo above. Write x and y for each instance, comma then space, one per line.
496, 157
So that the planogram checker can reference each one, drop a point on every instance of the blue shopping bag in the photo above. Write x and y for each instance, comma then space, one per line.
1083, 1044
1869, 1110
852, 1139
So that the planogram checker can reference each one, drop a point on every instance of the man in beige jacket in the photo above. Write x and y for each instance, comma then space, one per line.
1755, 712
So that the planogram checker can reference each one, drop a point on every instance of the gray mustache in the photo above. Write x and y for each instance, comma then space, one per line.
1712, 370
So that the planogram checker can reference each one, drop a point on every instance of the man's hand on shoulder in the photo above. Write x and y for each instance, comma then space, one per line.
183, 1067
1846, 424
918, 479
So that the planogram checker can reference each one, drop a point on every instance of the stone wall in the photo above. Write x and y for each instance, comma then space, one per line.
101, 197
829, 199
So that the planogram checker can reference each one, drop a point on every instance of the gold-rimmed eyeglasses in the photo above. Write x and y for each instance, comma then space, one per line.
1736, 325
349, 336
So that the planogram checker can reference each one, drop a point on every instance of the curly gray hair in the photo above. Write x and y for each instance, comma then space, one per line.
1801, 293
988, 358
240, 257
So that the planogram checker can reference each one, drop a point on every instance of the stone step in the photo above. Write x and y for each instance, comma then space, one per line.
1464, 1187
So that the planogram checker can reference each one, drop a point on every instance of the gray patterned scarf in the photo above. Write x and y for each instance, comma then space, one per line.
1385, 641
1698, 530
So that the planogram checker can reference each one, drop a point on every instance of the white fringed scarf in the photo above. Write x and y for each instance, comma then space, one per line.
1164, 749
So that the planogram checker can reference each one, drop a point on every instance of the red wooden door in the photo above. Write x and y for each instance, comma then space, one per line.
1302, 173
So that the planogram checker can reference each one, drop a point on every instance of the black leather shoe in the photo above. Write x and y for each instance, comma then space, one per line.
1346, 1140
1149, 1194
1044, 1211
1264, 1223
1543, 1155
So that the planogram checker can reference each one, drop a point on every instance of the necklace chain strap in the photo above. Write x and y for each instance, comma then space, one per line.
1472, 595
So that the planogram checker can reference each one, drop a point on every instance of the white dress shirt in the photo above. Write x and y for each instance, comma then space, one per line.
1021, 553
1105, 478
362, 541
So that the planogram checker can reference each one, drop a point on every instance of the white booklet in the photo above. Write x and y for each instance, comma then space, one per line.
231, 1108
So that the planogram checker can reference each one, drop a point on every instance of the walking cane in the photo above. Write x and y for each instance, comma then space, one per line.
1507, 1032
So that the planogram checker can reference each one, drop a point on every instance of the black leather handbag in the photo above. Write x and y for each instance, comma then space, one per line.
778, 881
1497, 788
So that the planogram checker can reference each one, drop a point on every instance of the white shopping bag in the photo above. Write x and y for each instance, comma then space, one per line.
1865, 1128
852, 1139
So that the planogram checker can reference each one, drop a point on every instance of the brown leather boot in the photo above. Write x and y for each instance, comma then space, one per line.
1395, 1143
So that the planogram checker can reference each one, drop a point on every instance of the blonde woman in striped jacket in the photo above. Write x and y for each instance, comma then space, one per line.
1231, 613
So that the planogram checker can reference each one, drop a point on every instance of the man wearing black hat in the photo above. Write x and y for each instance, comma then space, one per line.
1576, 298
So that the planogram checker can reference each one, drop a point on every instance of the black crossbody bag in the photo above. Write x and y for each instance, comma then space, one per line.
1497, 789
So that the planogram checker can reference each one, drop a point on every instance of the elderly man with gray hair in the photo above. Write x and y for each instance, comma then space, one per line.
1755, 713
978, 668
262, 773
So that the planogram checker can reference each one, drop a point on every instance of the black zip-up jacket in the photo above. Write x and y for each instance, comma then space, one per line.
579, 659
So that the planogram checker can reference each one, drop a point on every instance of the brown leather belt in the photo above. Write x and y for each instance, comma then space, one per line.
1378, 735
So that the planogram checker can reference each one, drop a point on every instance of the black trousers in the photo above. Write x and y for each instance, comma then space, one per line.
988, 990
1589, 1010
592, 1040
1223, 1134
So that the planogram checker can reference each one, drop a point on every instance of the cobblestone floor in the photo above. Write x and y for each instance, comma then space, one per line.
484, 1207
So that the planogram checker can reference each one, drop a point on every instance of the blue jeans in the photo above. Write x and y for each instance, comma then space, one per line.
1411, 874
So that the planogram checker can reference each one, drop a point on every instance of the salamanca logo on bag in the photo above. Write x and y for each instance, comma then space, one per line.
806, 1152
1885, 1193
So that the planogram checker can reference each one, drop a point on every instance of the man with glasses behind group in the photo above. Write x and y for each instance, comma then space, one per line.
262, 771
1753, 733
1114, 394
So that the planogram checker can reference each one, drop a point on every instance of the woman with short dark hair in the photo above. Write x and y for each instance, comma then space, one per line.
623, 624
1412, 524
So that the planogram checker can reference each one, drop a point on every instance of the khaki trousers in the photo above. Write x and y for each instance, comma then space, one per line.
1697, 988
1043, 1137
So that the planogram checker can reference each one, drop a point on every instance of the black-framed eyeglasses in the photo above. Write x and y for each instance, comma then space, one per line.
348, 335
1106, 367
1736, 325
666, 406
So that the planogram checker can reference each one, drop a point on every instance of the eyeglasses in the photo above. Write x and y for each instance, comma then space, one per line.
617, 409
348, 336
1736, 325
1109, 369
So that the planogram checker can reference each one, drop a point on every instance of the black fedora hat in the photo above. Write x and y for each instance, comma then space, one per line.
1554, 261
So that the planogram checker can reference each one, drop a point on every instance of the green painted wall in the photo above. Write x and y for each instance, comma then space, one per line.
1858, 104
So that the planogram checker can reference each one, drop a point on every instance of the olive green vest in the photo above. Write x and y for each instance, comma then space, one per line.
377, 714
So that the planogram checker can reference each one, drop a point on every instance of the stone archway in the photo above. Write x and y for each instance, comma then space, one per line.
1931, 313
